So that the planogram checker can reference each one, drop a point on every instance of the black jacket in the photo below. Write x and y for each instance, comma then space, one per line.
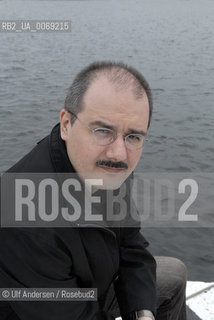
73, 257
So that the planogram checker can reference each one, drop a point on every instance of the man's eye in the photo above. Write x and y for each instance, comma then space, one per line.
135, 137
103, 132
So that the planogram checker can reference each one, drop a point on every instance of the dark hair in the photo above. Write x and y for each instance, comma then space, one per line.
118, 73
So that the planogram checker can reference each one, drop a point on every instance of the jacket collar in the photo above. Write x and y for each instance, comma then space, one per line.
58, 152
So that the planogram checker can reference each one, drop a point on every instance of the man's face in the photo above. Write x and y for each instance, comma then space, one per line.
119, 110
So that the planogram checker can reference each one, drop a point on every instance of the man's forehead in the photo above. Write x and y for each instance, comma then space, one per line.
103, 102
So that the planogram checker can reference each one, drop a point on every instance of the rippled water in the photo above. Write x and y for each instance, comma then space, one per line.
170, 41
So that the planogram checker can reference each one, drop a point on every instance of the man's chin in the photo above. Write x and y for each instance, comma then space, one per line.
110, 186
111, 182
105, 180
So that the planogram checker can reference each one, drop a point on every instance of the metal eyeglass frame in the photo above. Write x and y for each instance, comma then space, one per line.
115, 134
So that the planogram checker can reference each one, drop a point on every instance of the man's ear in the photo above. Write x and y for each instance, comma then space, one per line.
64, 124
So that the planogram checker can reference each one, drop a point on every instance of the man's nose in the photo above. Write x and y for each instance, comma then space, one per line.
117, 150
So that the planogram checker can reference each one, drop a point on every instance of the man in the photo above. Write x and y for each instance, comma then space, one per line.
102, 128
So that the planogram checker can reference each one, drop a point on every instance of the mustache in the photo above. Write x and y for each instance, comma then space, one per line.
111, 164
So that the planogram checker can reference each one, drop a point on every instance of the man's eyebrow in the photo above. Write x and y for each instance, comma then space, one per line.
103, 124
144, 133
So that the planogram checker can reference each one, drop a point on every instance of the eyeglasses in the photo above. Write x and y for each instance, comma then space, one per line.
106, 136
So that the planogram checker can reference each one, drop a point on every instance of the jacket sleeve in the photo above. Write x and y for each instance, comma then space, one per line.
28, 261
136, 284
